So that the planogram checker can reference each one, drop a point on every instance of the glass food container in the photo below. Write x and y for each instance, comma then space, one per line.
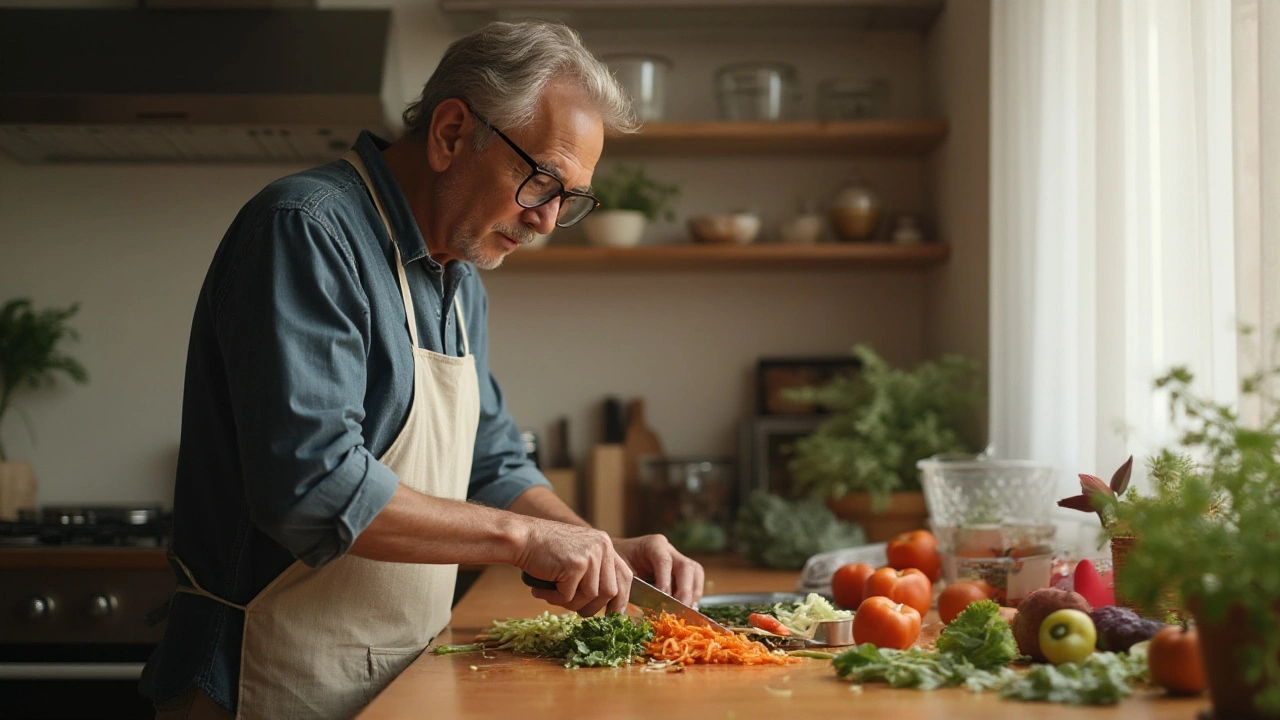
852, 99
756, 91
644, 77
689, 499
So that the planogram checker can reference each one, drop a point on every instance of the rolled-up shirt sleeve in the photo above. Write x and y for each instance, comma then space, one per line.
500, 469
293, 327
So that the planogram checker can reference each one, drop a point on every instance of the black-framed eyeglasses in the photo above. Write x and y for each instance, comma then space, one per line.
541, 187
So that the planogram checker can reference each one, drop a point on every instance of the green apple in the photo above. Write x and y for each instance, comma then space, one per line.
1067, 636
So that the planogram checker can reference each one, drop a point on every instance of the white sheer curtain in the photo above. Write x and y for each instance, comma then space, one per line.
1113, 248
1256, 71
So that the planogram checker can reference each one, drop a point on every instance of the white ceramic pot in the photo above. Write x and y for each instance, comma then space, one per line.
614, 228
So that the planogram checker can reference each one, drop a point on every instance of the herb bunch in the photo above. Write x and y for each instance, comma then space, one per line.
884, 420
1206, 534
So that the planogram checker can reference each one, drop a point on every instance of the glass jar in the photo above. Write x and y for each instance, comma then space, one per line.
644, 77
756, 91
852, 99
688, 499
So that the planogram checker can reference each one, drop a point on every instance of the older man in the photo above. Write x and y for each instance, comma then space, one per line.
339, 411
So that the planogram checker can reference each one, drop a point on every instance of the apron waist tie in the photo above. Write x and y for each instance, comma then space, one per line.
195, 588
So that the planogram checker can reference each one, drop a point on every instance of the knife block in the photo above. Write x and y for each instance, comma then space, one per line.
606, 490
565, 483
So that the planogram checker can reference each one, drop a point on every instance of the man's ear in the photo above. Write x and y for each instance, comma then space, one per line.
445, 135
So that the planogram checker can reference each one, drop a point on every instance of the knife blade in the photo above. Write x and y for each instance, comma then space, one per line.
644, 595
647, 597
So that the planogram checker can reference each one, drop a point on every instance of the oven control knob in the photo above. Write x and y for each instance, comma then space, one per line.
38, 607
101, 606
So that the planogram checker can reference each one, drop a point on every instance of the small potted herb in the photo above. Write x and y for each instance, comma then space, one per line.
862, 459
29, 357
628, 199
1207, 537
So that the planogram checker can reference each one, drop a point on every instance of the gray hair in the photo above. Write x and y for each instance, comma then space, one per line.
501, 70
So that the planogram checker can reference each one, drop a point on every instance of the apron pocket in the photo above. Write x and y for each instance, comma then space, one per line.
386, 664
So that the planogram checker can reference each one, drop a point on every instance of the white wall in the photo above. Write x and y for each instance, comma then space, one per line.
131, 244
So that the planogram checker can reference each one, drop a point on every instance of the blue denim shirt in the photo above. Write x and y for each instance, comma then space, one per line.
299, 377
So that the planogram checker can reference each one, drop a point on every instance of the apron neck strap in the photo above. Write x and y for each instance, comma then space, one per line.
354, 158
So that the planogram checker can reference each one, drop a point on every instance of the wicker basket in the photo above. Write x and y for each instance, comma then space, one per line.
1120, 547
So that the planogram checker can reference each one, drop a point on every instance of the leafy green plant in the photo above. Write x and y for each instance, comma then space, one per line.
884, 420
778, 533
629, 187
29, 354
1207, 533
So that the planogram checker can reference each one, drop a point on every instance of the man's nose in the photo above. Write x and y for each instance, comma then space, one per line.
543, 218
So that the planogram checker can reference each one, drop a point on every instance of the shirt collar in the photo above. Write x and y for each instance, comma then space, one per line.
408, 235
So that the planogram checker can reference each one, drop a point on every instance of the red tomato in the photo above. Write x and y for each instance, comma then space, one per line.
917, 549
768, 623
958, 595
848, 582
886, 624
1174, 660
908, 586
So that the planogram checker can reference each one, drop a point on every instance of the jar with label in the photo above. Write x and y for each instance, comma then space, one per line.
855, 212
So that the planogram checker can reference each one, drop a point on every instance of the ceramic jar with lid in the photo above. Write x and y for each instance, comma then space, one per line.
855, 212
804, 227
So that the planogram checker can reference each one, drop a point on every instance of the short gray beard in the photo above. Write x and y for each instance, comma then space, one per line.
471, 246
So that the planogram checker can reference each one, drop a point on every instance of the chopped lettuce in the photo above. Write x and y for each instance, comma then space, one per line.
980, 636
804, 618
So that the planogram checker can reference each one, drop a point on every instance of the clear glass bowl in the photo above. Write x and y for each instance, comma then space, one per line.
967, 490
756, 91
644, 77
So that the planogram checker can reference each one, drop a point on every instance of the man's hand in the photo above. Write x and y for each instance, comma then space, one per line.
588, 572
672, 572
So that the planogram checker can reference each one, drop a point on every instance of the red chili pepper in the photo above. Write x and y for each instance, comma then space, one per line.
769, 623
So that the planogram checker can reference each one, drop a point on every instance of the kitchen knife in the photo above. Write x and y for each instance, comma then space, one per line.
643, 595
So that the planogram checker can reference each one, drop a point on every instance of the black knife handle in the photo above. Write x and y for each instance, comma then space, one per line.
534, 582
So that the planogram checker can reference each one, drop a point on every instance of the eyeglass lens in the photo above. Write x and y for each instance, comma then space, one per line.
540, 188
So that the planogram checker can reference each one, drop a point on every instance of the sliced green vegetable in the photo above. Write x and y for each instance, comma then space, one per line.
454, 649
545, 634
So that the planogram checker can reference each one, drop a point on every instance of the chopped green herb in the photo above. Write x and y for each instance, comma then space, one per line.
608, 641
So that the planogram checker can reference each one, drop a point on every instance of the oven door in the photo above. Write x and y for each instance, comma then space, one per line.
70, 681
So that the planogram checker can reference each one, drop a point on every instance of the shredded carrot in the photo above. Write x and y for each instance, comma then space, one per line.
685, 644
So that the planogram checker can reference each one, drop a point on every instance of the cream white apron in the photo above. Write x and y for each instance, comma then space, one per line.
320, 643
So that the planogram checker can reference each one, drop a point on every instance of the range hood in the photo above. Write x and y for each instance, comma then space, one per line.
167, 85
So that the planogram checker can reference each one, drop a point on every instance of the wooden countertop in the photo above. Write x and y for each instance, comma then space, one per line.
500, 684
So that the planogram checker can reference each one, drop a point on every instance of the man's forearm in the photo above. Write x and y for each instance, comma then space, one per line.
419, 528
542, 502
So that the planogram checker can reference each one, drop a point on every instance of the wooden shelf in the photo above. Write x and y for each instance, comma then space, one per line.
760, 17
705, 258
857, 137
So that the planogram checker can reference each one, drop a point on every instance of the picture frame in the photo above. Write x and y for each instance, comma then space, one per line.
775, 375
764, 451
